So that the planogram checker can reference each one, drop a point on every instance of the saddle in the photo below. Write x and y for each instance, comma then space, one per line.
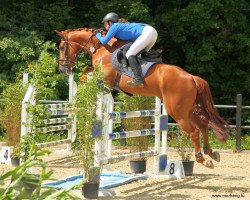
120, 63
154, 56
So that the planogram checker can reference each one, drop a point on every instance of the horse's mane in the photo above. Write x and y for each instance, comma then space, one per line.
84, 29
102, 31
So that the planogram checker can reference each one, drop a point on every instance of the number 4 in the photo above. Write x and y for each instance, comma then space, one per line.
5, 154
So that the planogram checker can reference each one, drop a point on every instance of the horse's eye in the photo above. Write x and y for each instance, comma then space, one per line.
61, 48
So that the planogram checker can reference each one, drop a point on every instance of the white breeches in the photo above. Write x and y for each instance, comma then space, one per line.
145, 41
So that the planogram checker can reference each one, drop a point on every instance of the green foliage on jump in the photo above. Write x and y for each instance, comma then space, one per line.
86, 106
183, 144
133, 103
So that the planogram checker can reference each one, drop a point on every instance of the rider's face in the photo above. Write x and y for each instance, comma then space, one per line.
106, 25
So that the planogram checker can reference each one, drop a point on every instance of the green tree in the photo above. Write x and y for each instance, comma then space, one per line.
206, 38
214, 38
24, 27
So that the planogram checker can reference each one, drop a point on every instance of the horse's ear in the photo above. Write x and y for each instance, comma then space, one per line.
59, 33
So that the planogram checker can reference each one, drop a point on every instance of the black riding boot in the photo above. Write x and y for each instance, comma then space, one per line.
136, 68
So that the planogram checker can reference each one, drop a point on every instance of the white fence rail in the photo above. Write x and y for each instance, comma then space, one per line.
65, 121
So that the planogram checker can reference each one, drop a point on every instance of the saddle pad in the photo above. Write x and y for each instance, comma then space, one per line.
145, 65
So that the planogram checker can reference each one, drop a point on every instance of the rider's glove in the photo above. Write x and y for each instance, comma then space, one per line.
95, 32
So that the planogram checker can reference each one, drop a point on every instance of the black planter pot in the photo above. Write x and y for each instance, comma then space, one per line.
15, 162
188, 167
90, 190
138, 166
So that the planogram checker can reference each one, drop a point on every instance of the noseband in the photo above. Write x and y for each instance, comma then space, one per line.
67, 43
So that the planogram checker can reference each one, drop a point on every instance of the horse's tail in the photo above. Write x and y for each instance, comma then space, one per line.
205, 108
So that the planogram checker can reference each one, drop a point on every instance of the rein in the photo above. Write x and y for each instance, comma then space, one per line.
68, 43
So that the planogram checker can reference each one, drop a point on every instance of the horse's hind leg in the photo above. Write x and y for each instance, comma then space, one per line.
179, 105
207, 149
203, 126
181, 116
194, 135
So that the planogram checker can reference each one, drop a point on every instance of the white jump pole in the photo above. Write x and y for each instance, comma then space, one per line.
72, 94
157, 134
110, 108
164, 134
28, 99
98, 143
25, 78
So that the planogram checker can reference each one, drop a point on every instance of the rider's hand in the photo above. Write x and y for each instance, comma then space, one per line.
95, 32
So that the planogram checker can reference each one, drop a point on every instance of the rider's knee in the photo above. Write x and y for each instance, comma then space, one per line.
129, 53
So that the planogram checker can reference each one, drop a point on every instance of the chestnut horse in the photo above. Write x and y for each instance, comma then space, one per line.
187, 98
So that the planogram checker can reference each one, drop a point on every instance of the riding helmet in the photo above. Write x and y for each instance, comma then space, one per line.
111, 17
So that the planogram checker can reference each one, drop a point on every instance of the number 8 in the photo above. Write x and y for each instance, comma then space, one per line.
171, 170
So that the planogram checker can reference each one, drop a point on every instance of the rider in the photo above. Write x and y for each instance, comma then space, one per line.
142, 35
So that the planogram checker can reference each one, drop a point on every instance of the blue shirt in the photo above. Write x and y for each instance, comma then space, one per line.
123, 31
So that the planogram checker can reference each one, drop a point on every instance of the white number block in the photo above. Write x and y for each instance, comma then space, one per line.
5, 154
175, 169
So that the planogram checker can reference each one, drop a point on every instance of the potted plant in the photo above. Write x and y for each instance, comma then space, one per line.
15, 156
24, 184
20, 183
86, 102
137, 144
184, 146
90, 188
11, 117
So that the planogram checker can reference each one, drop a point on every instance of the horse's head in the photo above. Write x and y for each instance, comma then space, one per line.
72, 43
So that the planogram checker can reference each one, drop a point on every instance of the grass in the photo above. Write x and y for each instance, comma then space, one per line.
230, 143
214, 143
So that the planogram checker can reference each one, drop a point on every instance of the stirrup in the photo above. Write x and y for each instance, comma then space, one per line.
134, 84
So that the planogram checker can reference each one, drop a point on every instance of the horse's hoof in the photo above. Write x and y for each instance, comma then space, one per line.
215, 156
209, 164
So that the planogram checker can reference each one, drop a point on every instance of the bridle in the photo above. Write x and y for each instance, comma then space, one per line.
72, 44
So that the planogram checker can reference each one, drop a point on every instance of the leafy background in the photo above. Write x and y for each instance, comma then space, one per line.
210, 39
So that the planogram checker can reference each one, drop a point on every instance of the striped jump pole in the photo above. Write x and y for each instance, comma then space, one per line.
106, 115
